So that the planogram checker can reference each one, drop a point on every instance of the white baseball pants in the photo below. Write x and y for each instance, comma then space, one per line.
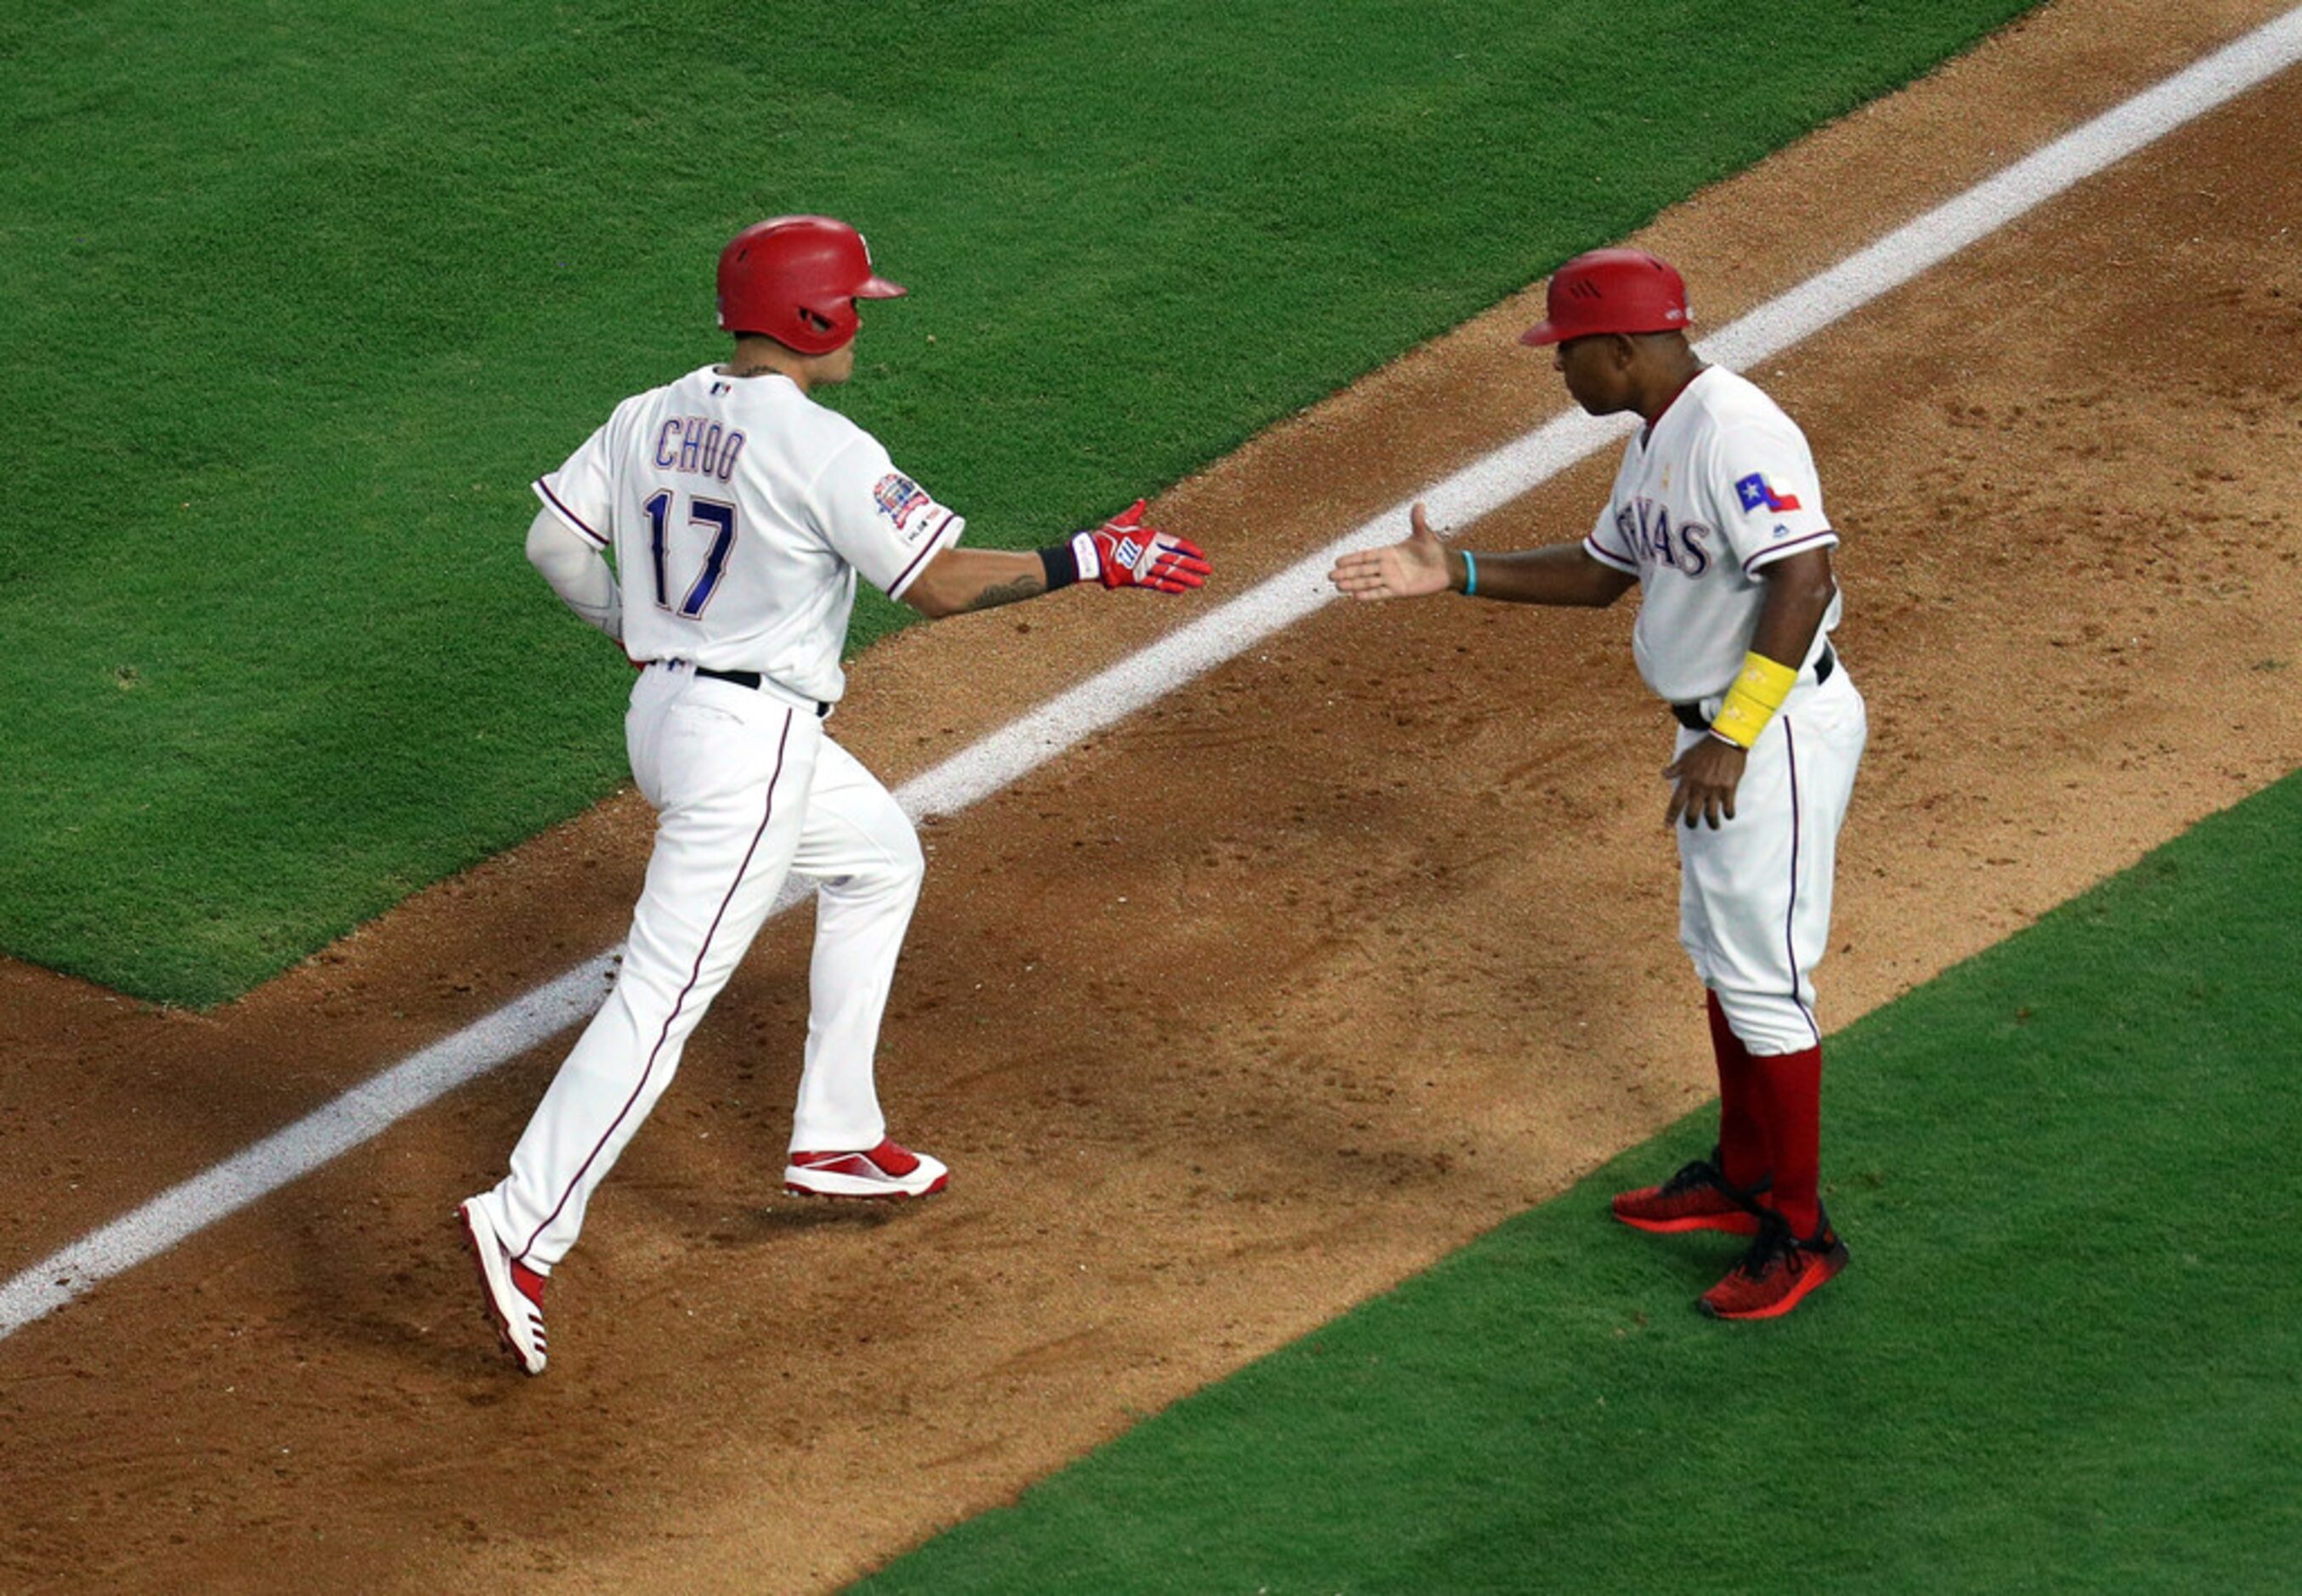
1754, 895
747, 789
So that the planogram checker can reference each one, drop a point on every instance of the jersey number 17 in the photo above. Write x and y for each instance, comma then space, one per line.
711, 514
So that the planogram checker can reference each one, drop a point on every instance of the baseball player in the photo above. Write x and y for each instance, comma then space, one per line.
1718, 515
739, 513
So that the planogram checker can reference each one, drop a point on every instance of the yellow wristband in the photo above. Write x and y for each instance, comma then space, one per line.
1753, 699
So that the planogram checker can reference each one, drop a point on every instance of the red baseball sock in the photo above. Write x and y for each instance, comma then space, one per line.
1742, 1122
1790, 1090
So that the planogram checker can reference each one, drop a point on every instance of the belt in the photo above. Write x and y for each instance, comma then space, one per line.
752, 679
1691, 716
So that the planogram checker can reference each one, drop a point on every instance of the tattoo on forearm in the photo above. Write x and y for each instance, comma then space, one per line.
1008, 593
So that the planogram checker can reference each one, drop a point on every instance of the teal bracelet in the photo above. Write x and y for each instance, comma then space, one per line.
1470, 574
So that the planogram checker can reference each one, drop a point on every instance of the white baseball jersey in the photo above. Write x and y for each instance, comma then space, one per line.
740, 512
1720, 486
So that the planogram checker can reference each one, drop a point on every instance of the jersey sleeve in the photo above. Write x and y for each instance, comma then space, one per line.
877, 519
1607, 543
1768, 496
1610, 543
581, 491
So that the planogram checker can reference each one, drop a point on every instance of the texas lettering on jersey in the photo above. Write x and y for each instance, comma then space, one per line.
1645, 528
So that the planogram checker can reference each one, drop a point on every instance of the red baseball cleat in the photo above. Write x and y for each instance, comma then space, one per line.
514, 1292
885, 1171
1696, 1198
1777, 1274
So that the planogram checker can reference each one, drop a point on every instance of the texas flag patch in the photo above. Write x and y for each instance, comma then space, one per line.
899, 498
1757, 495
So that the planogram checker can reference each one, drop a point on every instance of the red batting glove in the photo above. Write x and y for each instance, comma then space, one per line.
1129, 554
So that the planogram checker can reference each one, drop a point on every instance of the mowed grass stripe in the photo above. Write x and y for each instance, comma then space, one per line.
300, 298
2063, 1357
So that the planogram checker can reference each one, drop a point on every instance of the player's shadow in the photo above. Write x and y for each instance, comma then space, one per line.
798, 1215
421, 1315
718, 1224
425, 1314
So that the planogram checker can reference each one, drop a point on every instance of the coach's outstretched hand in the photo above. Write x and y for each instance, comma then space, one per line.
1406, 570
1129, 554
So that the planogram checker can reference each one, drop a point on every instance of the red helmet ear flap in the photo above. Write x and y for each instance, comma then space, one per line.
796, 279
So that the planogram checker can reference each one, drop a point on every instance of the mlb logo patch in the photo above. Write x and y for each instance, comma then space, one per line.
899, 498
1756, 495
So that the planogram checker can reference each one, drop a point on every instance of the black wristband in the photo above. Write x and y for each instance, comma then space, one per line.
1062, 563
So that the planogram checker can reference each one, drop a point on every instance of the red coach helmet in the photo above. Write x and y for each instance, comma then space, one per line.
1611, 290
796, 279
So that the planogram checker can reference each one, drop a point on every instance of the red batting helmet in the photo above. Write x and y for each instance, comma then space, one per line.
1611, 290
796, 279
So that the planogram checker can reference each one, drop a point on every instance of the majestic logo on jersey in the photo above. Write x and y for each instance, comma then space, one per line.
1755, 492
899, 498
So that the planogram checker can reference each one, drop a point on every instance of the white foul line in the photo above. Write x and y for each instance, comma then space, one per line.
1006, 756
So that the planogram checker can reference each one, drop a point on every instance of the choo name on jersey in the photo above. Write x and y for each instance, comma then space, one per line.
697, 444
1646, 528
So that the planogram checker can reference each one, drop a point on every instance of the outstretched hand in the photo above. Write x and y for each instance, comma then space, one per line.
1129, 554
1403, 570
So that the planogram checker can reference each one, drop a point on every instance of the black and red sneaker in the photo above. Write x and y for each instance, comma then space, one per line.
1698, 1197
1777, 1274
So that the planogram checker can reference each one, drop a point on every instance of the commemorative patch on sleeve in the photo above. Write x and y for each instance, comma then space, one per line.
899, 499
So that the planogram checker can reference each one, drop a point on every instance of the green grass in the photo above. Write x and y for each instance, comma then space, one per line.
300, 297
2063, 1357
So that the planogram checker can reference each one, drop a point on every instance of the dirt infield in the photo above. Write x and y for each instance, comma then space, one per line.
1409, 861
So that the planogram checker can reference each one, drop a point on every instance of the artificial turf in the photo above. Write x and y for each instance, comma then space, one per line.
300, 297
2063, 1357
